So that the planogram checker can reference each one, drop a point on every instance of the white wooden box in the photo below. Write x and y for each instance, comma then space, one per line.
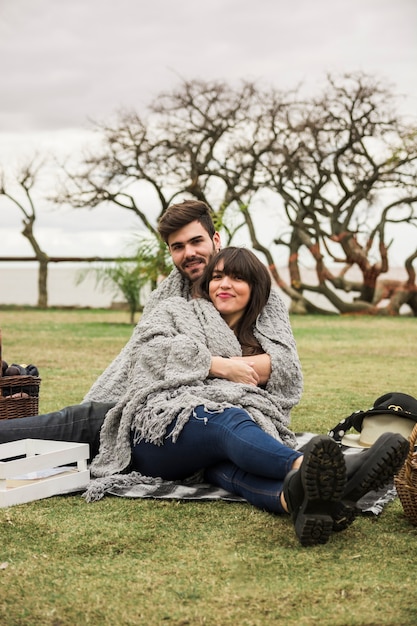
41, 471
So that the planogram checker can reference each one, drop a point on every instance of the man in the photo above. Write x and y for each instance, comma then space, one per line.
189, 232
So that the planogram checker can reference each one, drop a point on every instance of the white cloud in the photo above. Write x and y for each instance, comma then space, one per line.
66, 61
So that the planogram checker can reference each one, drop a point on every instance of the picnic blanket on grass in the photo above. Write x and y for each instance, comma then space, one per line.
371, 504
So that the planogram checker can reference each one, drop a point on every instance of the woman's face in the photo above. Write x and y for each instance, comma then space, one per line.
229, 294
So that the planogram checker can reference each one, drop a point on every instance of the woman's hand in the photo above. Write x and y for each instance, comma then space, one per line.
236, 369
261, 363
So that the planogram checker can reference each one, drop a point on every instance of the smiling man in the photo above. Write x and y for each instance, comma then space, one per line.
189, 232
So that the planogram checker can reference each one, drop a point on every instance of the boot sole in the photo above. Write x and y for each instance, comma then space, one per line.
379, 467
343, 516
323, 475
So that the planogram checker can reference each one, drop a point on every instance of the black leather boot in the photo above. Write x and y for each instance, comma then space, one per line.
367, 471
375, 467
314, 491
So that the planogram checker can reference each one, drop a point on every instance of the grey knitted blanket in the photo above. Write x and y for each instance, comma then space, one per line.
168, 374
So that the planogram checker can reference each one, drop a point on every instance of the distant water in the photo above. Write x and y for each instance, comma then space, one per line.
19, 285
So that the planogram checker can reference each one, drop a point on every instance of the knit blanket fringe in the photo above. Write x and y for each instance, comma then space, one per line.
98, 488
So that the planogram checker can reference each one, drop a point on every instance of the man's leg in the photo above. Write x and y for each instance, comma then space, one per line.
79, 423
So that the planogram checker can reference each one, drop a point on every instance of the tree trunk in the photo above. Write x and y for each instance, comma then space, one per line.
43, 282
43, 262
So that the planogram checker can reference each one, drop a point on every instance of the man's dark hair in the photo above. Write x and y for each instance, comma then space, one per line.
179, 215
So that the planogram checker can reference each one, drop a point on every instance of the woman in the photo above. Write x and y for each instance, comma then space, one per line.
176, 421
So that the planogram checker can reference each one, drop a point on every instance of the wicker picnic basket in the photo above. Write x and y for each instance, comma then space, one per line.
25, 386
406, 482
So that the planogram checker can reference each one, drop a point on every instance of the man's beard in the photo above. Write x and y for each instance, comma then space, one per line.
197, 271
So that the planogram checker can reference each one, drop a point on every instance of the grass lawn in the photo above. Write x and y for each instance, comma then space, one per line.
64, 562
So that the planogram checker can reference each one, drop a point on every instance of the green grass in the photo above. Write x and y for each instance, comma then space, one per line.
120, 561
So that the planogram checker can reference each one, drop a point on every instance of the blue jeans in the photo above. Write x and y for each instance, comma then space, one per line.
234, 452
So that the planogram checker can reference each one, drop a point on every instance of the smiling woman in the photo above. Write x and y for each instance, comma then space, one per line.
239, 287
229, 294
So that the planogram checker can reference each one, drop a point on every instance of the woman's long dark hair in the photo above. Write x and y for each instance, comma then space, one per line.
242, 263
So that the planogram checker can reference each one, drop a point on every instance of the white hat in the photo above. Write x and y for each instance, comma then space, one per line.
373, 426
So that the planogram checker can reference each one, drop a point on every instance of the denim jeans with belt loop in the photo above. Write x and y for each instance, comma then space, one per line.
234, 452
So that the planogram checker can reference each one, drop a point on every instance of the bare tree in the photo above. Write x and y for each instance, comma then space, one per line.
175, 153
127, 155
346, 171
342, 164
25, 180
204, 140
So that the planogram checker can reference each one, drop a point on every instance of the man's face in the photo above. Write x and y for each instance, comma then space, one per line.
191, 249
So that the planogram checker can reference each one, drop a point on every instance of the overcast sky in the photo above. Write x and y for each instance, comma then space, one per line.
64, 62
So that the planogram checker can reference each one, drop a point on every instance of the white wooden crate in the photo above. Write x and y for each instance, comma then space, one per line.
31, 469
